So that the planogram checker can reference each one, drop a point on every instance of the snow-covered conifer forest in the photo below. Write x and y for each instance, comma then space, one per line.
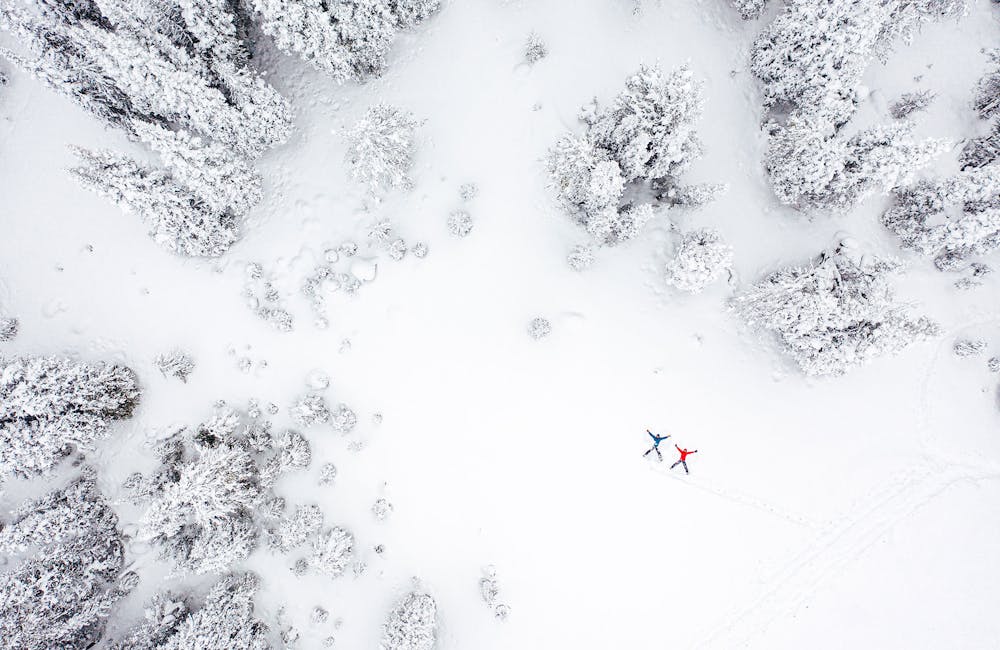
342, 323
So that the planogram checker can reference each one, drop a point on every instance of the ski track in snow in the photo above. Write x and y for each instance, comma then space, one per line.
839, 544
738, 497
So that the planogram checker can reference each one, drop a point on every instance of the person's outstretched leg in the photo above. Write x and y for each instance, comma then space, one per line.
648, 451
658, 454
675, 464
685, 464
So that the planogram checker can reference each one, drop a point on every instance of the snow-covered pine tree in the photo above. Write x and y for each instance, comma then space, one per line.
348, 39
225, 620
179, 64
176, 217
411, 624
650, 128
811, 61
380, 148
50, 405
982, 151
950, 220
701, 259
202, 501
64, 574
835, 314
646, 138
811, 168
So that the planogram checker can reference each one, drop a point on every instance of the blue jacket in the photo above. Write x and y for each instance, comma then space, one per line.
656, 439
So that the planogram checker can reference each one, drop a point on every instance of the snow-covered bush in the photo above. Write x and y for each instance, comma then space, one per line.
348, 39
950, 220
49, 405
331, 552
176, 363
380, 148
581, 257
65, 560
911, 103
539, 328
8, 328
225, 620
411, 624
535, 49
834, 314
293, 531
646, 136
749, 9
969, 347
201, 502
460, 223
701, 259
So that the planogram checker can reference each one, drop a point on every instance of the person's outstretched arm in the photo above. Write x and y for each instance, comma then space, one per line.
651, 434
693, 452
678, 448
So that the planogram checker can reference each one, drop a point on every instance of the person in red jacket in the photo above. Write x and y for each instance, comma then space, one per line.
683, 459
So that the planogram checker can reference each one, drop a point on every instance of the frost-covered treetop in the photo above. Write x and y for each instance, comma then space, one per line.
645, 137
380, 148
650, 128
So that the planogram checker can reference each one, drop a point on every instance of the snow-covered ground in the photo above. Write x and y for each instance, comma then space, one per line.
824, 513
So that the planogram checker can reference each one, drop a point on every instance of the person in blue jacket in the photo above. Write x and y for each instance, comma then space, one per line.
656, 445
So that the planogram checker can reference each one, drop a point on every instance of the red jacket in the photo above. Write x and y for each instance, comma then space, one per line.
685, 453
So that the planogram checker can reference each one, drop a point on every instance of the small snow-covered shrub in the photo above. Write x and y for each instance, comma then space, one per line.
581, 257
225, 620
293, 531
835, 314
8, 328
950, 220
69, 576
749, 9
381, 509
539, 328
700, 260
535, 49
460, 223
177, 364
331, 552
993, 364
380, 148
969, 347
911, 103
411, 624
312, 409
49, 405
